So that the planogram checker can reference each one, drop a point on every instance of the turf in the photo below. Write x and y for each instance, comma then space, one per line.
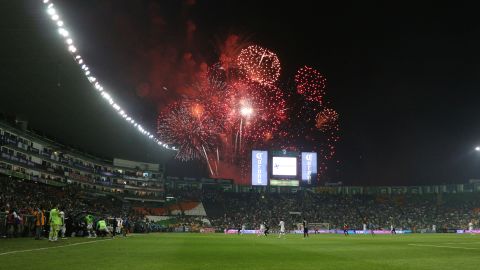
247, 252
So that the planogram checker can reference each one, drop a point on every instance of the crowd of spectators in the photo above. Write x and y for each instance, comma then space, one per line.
250, 209
415, 212
19, 199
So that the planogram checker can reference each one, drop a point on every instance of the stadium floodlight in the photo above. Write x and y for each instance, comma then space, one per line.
62, 31
50, 10
477, 148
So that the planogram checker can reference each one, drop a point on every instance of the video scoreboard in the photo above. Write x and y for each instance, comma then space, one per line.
283, 168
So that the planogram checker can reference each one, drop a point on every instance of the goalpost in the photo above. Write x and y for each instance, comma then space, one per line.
319, 226
315, 226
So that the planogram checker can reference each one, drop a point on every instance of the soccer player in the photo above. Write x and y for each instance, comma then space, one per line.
243, 228
345, 229
262, 229
392, 229
54, 220
267, 229
282, 228
91, 231
305, 228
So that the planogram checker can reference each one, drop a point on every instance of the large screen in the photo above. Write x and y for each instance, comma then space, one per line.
259, 168
284, 166
309, 166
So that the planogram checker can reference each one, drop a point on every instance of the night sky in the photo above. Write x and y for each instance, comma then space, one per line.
404, 78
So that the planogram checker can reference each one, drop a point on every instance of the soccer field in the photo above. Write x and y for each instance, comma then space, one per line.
219, 251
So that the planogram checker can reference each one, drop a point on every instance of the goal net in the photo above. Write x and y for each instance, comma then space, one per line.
319, 226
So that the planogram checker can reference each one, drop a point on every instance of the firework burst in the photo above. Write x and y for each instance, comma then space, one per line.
260, 109
326, 119
189, 125
261, 65
240, 106
310, 83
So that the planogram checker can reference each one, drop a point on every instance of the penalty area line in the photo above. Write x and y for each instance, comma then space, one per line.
45, 248
423, 245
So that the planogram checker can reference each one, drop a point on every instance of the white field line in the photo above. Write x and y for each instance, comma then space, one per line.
456, 243
45, 248
423, 245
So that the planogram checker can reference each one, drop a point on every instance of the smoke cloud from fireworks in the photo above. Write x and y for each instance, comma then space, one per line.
218, 108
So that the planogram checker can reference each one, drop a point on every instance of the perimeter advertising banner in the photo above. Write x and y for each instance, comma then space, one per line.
309, 166
259, 168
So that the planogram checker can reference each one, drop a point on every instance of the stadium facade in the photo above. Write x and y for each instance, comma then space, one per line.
27, 155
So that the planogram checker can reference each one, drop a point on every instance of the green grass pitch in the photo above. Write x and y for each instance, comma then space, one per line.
246, 252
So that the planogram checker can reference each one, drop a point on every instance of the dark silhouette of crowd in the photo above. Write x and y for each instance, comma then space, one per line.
413, 212
20, 199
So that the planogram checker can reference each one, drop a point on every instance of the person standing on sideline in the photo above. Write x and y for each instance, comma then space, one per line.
102, 227
54, 221
39, 223
91, 231
114, 227
63, 226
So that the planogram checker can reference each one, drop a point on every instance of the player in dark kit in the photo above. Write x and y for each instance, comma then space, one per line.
372, 229
305, 228
345, 229
266, 229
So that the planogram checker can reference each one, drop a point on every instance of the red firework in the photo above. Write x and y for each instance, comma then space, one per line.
189, 125
256, 111
260, 64
326, 119
310, 83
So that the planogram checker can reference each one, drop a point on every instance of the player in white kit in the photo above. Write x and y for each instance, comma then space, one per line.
470, 227
63, 227
282, 228
262, 229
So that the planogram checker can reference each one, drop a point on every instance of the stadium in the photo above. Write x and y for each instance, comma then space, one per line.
218, 162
